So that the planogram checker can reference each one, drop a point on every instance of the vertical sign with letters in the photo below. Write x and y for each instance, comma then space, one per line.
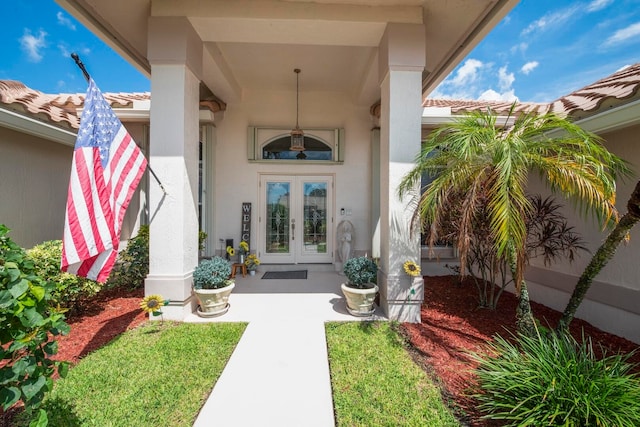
245, 233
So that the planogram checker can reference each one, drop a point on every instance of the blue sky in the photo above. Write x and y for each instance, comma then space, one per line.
545, 49
542, 50
36, 42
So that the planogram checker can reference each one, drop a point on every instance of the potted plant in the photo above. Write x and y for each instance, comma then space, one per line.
212, 286
242, 251
252, 262
361, 289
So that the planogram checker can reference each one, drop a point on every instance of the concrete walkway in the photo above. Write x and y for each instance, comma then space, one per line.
278, 374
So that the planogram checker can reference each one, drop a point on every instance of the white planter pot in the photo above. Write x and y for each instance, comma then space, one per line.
360, 301
213, 302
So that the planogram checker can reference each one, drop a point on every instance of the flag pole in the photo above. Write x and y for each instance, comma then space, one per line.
79, 63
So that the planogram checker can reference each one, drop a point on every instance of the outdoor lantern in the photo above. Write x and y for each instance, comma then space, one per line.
297, 136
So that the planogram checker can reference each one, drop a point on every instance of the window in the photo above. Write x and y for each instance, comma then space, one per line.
315, 149
273, 144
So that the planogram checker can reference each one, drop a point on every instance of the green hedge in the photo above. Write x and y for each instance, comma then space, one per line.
70, 290
132, 266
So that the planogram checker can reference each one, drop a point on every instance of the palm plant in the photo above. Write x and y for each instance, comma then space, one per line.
489, 162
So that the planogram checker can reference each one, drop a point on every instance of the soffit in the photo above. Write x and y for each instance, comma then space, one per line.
342, 33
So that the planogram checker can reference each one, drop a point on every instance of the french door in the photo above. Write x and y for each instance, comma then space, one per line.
296, 219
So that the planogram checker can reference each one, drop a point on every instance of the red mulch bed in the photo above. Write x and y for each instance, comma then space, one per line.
106, 316
103, 318
452, 324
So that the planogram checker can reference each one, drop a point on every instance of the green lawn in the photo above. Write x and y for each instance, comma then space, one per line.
376, 383
155, 375
160, 375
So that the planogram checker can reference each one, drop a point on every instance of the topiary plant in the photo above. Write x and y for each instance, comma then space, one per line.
360, 271
212, 273
27, 324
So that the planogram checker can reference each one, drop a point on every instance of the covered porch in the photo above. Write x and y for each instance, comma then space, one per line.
221, 72
318, 297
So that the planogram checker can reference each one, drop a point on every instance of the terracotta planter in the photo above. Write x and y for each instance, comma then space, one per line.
360, 301
213, 302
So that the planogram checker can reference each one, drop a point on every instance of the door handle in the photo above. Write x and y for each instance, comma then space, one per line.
293, 229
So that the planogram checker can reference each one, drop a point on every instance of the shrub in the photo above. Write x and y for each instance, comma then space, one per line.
26, 322
70, 290
548, 236
359, 271
553, 380
202, 237
212, 273
132, 266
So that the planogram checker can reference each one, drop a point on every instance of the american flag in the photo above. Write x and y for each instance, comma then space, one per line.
107, 166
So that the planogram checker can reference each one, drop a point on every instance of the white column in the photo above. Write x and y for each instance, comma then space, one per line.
401, 65
175, 54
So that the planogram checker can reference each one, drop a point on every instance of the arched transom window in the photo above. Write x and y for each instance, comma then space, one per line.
274, 144
280, 149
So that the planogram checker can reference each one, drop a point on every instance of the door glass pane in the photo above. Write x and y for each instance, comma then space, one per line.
278, 195
315, 217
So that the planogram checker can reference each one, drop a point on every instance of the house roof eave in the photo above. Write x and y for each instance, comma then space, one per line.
622, 116
31, 126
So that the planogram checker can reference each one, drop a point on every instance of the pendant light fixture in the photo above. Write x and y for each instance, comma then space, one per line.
297, 136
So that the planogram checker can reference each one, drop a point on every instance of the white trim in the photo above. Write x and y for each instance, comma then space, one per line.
259, 136
615, 118
434, 116
28, 125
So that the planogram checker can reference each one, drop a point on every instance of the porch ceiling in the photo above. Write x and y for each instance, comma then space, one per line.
252, 44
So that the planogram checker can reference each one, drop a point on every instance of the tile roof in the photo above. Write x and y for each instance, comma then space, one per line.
500, 107
611, 91
16, 96
61, 109
616, 89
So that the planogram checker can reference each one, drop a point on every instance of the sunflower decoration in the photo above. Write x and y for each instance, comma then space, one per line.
244, 247
152, 304
411, 268
231, 251
252, 262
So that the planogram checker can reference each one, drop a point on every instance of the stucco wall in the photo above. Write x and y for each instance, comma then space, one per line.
34, 179
613, 302
238, 179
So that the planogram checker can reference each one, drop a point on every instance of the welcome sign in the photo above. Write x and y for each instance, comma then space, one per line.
245, 233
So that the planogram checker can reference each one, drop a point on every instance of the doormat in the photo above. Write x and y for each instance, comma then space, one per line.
299, 274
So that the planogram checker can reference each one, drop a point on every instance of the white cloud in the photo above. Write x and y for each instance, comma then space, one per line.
66, 22
63, 49
520, 47
529, 67
474, 80
492, 95
623, 35
597, 5
505, 80
467, 73
32, 44
551, 20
